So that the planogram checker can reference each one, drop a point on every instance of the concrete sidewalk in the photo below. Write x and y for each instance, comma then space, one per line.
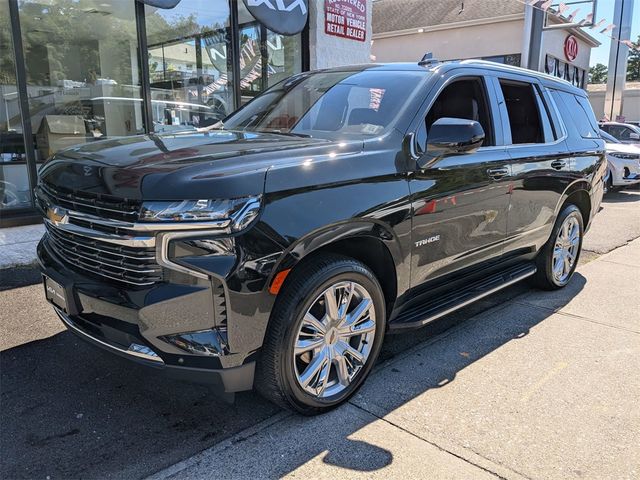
18, 245
543, 386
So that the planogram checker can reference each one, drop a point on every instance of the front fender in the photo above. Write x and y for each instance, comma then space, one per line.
350, 230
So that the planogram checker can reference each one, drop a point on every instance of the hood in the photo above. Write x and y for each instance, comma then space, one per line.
189, 165
623, 148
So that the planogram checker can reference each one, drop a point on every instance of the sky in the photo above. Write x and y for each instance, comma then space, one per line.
605, 10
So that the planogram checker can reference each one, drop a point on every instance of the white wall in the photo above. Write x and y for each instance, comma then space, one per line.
452, 43
630, 104
330, 51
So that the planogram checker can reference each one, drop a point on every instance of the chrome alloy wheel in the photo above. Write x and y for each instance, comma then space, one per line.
335, 339
565, 250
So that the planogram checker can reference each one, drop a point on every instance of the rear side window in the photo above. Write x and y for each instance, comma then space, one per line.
528, 118
580, 113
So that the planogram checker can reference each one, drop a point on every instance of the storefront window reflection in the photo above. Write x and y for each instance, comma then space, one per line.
284, 56
14, 183
266, 57
83, 80
189, 64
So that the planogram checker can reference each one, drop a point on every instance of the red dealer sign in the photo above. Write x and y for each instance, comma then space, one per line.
570, 48
346, 18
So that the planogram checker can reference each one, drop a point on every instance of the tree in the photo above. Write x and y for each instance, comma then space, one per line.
598, 73
633, 63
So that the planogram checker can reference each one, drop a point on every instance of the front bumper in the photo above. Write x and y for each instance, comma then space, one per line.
132, 323
227, 380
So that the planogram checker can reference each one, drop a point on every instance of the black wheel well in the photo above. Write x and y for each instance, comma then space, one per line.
582, 200
374, 254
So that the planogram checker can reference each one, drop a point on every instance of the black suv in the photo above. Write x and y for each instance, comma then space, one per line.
276, 249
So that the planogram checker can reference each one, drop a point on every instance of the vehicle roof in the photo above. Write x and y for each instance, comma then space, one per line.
444, 67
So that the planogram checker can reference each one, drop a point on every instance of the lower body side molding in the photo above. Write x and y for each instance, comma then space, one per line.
429, 311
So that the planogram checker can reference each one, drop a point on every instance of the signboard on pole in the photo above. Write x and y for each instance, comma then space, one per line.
346, 19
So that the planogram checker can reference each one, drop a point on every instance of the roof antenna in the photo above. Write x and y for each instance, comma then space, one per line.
427, 59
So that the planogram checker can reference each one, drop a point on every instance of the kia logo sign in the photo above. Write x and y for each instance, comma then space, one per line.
570, 48
286, 17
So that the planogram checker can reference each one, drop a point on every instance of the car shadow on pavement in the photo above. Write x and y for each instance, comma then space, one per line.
438, 361
70, 410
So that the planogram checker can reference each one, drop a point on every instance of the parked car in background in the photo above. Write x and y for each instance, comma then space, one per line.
624, 163
275, 250
625, 132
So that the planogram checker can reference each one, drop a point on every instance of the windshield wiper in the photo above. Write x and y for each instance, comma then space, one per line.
280, 132
215, 126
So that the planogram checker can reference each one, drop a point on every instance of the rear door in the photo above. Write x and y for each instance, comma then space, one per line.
540, 163
460, 202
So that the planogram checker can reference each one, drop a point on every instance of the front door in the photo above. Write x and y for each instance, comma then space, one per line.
460, 202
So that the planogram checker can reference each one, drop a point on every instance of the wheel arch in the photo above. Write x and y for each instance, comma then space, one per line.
578, 194
371, 243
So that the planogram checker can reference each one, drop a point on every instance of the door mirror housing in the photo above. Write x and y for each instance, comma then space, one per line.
634, 136
447, 136
454, 135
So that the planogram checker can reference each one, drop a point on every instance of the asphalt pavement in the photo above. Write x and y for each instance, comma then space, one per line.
70, 410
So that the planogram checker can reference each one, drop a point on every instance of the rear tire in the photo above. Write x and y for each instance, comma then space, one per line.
609, 184
558, 259
312, 361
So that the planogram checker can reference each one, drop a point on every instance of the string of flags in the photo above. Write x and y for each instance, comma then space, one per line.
574, 17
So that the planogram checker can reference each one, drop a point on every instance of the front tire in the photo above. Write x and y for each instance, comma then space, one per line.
558, 259
324, 335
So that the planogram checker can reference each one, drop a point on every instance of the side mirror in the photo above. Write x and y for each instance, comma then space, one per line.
447, 136
634, 136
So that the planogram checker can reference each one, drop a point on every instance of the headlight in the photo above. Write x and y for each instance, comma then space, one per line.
238, 211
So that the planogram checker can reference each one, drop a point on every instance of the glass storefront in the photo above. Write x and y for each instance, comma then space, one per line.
189, 69
85, 82
81, 62
14, 181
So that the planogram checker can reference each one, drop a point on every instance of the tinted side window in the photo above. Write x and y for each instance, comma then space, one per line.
467, 99
625, 133
524, 113
580, 113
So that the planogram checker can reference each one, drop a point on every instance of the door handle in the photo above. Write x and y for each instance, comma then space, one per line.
558, 164
498, 173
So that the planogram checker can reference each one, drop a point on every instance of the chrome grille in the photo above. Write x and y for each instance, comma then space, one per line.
131, 265
98, 204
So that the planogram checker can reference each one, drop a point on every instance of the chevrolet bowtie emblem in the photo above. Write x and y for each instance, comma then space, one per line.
56, 215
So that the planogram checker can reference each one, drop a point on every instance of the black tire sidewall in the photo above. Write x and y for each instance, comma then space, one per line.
337, 272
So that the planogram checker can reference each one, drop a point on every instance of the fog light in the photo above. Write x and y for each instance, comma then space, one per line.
144, 352
203, 342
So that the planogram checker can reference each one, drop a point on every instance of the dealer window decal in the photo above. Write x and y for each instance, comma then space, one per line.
346, 19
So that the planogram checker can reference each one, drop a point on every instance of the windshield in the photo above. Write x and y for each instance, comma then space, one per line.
325, 104
608, 138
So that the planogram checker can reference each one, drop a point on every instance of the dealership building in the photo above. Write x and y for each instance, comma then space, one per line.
80, 71
495, 30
